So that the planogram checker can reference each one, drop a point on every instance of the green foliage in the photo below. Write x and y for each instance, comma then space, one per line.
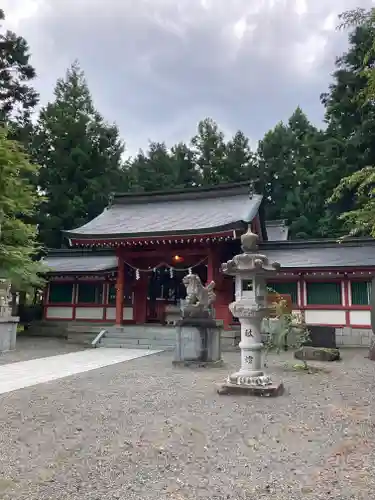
351, 115
17, 97
80, 157
161, 169
363, 20
207, 160
290, 158
18, 202
209, 150
361, 220
290, 330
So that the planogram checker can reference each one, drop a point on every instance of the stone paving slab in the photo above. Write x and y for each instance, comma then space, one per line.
15, 376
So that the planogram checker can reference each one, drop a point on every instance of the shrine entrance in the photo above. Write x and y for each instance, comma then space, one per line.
165, 290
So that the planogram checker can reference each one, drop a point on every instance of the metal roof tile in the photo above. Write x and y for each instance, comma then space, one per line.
79, 263
171, 216
324, 257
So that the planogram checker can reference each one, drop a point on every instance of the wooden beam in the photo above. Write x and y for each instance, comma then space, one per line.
120, 290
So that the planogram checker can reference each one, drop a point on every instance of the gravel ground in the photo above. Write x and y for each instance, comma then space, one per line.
34, 348
144, 430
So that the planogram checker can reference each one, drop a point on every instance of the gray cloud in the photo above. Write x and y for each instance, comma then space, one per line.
156, 67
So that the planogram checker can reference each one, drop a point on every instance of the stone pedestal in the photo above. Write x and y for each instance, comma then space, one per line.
198, 342
198, 335
8, 333
250, 270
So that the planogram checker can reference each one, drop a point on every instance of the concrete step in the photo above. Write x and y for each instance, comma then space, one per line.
138, 342
35, 331
87, 327
81, 338
140, 331
133, 346
145, 336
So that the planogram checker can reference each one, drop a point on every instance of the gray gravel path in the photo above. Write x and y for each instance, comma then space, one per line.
144, 430
39, 347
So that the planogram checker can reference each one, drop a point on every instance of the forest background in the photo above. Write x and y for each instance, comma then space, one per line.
58, 168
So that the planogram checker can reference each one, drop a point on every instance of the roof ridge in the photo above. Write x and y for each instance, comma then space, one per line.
200, 192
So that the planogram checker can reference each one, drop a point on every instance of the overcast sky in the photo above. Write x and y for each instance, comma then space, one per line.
156, 67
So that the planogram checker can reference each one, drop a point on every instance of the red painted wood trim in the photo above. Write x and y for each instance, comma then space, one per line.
75, 295
359, 308
45, 299
304, 291
105, 299
332, 307
346, 301
129, 242
210, 265
258, 227
336, 273
328, 279
120, 290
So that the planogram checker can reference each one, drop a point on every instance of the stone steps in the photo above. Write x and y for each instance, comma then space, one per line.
169, 337
136, 342
129, 345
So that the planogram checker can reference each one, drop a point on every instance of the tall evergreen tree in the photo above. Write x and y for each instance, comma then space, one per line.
160, 168
289, 164
80, 157
187, 174
153, 170
240, 163
208, 146
350, 115
18, 202
17, 97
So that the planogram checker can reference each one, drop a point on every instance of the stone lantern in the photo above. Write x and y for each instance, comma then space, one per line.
251, 270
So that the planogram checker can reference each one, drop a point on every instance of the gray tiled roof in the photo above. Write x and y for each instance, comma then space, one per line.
277, 230
161, 215
80, 263
323, 256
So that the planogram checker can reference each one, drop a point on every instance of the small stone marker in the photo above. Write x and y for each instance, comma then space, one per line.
310, 353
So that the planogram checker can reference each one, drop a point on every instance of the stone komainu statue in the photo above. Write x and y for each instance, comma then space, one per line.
198, 297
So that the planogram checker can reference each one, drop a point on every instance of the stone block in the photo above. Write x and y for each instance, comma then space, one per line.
340, 340
199, 364
308, 353
365, 341
347, 331
362, 332
272, 390
197, 341
352, 341
8, 333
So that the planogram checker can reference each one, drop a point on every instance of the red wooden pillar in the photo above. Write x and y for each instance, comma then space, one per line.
346, 301
223, 294
211, 265
120, 289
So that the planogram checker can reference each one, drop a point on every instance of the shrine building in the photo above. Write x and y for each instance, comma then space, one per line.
126, 265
